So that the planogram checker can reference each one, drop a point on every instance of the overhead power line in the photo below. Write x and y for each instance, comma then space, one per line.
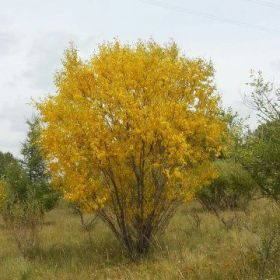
265, 3
209, 16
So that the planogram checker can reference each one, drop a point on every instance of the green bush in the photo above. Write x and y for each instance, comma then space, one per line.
233, 189
23, 222
21, 211
261, 151
26, 192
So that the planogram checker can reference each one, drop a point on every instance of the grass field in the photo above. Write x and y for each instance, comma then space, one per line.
196, 245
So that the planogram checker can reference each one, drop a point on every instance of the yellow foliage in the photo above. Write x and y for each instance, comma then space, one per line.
133, 127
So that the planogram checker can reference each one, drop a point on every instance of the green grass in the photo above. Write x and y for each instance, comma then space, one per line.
200, 248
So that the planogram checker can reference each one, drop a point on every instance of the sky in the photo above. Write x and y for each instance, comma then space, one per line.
237, 36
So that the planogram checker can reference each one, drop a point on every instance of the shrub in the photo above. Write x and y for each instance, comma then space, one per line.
131, 134
231, 190
261, 154
263, 253
25, 193
23, 222
21, 212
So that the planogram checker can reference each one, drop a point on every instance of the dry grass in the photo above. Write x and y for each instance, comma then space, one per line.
195, 246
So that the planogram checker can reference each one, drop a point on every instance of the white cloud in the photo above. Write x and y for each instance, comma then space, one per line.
8, 42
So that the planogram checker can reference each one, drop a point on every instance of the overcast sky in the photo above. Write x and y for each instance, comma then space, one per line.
236, 35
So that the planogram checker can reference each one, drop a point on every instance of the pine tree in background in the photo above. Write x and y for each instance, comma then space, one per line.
35, 168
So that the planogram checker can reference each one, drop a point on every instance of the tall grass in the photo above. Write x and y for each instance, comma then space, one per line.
195, 246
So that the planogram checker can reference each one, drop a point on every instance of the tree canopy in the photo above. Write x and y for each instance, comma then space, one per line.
261, 153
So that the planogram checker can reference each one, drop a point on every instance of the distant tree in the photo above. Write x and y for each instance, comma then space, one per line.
261, 153
35, 167
25, 192
6, 159
236, 133
232, 189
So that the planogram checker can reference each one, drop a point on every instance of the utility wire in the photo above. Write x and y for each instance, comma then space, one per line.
209, 16
265, 3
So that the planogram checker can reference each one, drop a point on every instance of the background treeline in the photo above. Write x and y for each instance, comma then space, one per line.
27, 193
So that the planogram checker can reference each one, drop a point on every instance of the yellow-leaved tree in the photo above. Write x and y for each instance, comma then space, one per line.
131, 134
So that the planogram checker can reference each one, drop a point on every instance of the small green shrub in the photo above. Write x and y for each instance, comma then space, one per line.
23, 222
22, 213
26, 193
233, 189
263, 255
